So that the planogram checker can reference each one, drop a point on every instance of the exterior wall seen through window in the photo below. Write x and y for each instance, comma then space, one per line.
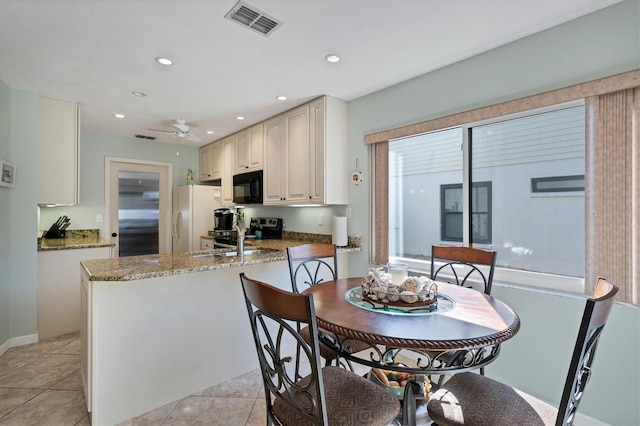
531, 231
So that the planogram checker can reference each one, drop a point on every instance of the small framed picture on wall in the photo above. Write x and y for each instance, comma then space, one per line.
7, 173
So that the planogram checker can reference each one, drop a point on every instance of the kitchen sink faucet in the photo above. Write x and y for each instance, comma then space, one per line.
240, 247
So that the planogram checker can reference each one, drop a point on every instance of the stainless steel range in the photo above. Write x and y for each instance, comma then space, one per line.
266, 227
259, 227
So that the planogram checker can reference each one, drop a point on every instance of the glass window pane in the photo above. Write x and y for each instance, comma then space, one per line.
418, 166
541, 232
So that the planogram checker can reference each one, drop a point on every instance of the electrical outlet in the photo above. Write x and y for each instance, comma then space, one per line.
321, 220
99, 218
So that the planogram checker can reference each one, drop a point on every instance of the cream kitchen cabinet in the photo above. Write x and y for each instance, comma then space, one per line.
249, 149
298, 146
274, 146
286, 177
211, 162
228, 161
58, 152
328, 168
59, 289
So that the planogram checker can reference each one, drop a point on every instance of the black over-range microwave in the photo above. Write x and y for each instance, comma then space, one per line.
247, 188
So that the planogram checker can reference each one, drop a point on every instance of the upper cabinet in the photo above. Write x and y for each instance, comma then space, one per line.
58, 152
293, 149
287, 151
249, 149
228, 161
274, 147
297, 156
298, 145
211, 161
328, 167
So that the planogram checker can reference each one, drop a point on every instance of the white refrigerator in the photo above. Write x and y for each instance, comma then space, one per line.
192, 215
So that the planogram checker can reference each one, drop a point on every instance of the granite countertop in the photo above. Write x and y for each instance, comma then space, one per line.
158, 265
76, 239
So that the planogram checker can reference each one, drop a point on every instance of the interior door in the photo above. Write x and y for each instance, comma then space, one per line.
138, 206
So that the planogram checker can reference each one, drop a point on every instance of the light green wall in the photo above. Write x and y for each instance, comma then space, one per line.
5, 211
601, 44
20, 269
537, 358
93, 150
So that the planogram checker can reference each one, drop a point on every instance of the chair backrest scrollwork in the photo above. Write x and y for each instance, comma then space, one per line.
595, 316
463, 266
311, 264
273, 314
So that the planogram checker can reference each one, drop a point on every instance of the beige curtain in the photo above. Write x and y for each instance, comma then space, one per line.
612, 192
380, 237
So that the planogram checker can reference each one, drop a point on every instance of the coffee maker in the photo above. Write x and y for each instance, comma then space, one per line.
222, 219
223, 231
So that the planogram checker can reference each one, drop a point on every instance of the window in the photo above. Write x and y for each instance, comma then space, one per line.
499, 160
558, 184
451, 212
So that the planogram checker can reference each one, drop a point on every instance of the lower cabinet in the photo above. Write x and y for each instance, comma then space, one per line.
85, 338
206, 244
59, 289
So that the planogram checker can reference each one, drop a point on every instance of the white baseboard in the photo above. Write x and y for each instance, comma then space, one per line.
582, 420
18, 341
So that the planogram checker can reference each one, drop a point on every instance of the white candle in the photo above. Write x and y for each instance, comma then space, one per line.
398, 272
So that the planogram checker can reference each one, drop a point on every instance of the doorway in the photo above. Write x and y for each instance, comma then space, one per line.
138, 206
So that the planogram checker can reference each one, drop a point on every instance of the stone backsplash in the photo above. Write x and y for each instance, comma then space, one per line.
353, 240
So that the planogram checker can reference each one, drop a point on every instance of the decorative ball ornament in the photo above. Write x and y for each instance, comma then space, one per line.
356, 176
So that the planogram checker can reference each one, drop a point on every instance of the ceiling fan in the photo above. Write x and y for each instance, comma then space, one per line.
180, 129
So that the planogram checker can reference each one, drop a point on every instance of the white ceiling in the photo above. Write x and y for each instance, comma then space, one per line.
97, 52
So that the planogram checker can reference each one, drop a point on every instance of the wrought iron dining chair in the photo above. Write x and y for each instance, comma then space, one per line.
471, 399
312, 264
463, 266
298, 390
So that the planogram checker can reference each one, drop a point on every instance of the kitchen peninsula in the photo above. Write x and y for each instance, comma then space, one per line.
157, 328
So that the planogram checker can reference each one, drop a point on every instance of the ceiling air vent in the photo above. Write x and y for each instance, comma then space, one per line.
253, 18
151, 138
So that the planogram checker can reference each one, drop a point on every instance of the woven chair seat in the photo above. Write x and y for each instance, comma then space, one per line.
485, 401
351, 401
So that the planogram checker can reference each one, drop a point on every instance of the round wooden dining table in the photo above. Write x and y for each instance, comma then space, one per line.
464, 336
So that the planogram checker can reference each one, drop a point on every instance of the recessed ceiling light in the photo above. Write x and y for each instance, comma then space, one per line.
281, 98
239, 117
164, 61
118, 115
209, 132
332, 57
138, 93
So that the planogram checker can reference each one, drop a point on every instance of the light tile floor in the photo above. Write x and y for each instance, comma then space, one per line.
40, 384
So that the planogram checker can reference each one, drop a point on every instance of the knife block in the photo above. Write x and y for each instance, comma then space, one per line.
55, 232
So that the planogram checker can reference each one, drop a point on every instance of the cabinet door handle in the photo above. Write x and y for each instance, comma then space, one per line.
114, 234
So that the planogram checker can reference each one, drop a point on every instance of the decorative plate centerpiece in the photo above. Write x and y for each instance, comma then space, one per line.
377, 287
